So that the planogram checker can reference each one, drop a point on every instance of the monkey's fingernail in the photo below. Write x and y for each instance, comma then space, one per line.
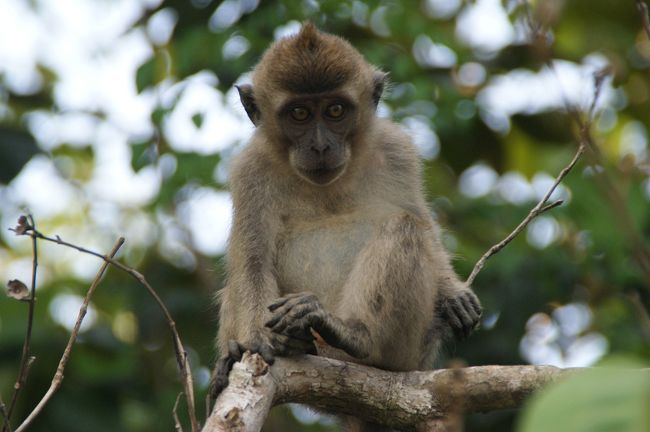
279, 302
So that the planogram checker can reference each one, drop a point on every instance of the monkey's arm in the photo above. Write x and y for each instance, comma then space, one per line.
457, 304
251, 285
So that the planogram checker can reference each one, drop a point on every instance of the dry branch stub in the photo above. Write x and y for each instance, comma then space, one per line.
245, 403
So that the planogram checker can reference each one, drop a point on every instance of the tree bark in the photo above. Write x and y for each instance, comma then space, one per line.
245, 403
396, 399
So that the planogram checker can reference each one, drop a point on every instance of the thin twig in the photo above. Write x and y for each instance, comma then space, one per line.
617, 205
177, 422
179, 349
584, 140
58, 375
3, 410
645, 19
26, 359
534, 212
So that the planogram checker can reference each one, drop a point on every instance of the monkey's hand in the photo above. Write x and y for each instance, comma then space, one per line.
295, 315
462, 312
266, 344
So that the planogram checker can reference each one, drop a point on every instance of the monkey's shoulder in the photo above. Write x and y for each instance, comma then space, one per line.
250, 174
394, 138
250, 160
396, 149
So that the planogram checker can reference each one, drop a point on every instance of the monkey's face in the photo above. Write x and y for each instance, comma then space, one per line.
314, 96
318, 129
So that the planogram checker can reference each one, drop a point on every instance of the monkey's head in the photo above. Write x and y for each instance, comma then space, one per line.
312, 96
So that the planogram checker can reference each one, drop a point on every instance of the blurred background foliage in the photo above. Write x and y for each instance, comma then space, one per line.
119, 118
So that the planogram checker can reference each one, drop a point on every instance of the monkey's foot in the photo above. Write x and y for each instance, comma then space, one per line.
235, 351
268, 345
462, 313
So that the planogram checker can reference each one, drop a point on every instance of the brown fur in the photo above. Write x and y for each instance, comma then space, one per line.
310, 62
365, 245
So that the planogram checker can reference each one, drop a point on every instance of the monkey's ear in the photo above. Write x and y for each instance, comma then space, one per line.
378, 82
248, 101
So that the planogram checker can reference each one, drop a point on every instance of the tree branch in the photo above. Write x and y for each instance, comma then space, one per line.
181, 355
643, 12
245, 403
540, 208
396, 399
58, 375
26, 360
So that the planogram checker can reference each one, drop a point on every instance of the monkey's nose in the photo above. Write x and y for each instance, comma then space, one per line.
320, 148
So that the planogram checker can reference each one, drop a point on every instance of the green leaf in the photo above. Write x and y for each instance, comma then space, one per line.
16, 148
145, 75
143, 154
197, 119
604, 399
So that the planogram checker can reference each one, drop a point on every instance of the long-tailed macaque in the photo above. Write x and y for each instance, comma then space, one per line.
332, 237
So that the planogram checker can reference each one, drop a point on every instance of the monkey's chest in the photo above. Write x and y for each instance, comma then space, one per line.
319, 256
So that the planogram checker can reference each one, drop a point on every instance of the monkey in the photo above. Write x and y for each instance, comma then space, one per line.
332, 240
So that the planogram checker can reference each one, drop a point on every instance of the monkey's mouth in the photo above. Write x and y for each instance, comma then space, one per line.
322, 176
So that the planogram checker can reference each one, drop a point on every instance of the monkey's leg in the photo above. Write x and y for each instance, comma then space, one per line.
385, 305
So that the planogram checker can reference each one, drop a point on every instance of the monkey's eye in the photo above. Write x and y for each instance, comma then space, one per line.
300, 113
335, 111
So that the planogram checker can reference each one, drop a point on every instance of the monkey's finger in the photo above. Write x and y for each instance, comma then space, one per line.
219, 383
454, 322
283, 300
289, 346
289, 309
254, 347
274, 320
280, 322
465, 309
278, 303
301, 330
266, 351
220, 380
462, 312
304, 325
307, 338
475, 304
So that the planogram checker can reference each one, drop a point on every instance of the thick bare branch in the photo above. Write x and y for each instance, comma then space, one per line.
397, 399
